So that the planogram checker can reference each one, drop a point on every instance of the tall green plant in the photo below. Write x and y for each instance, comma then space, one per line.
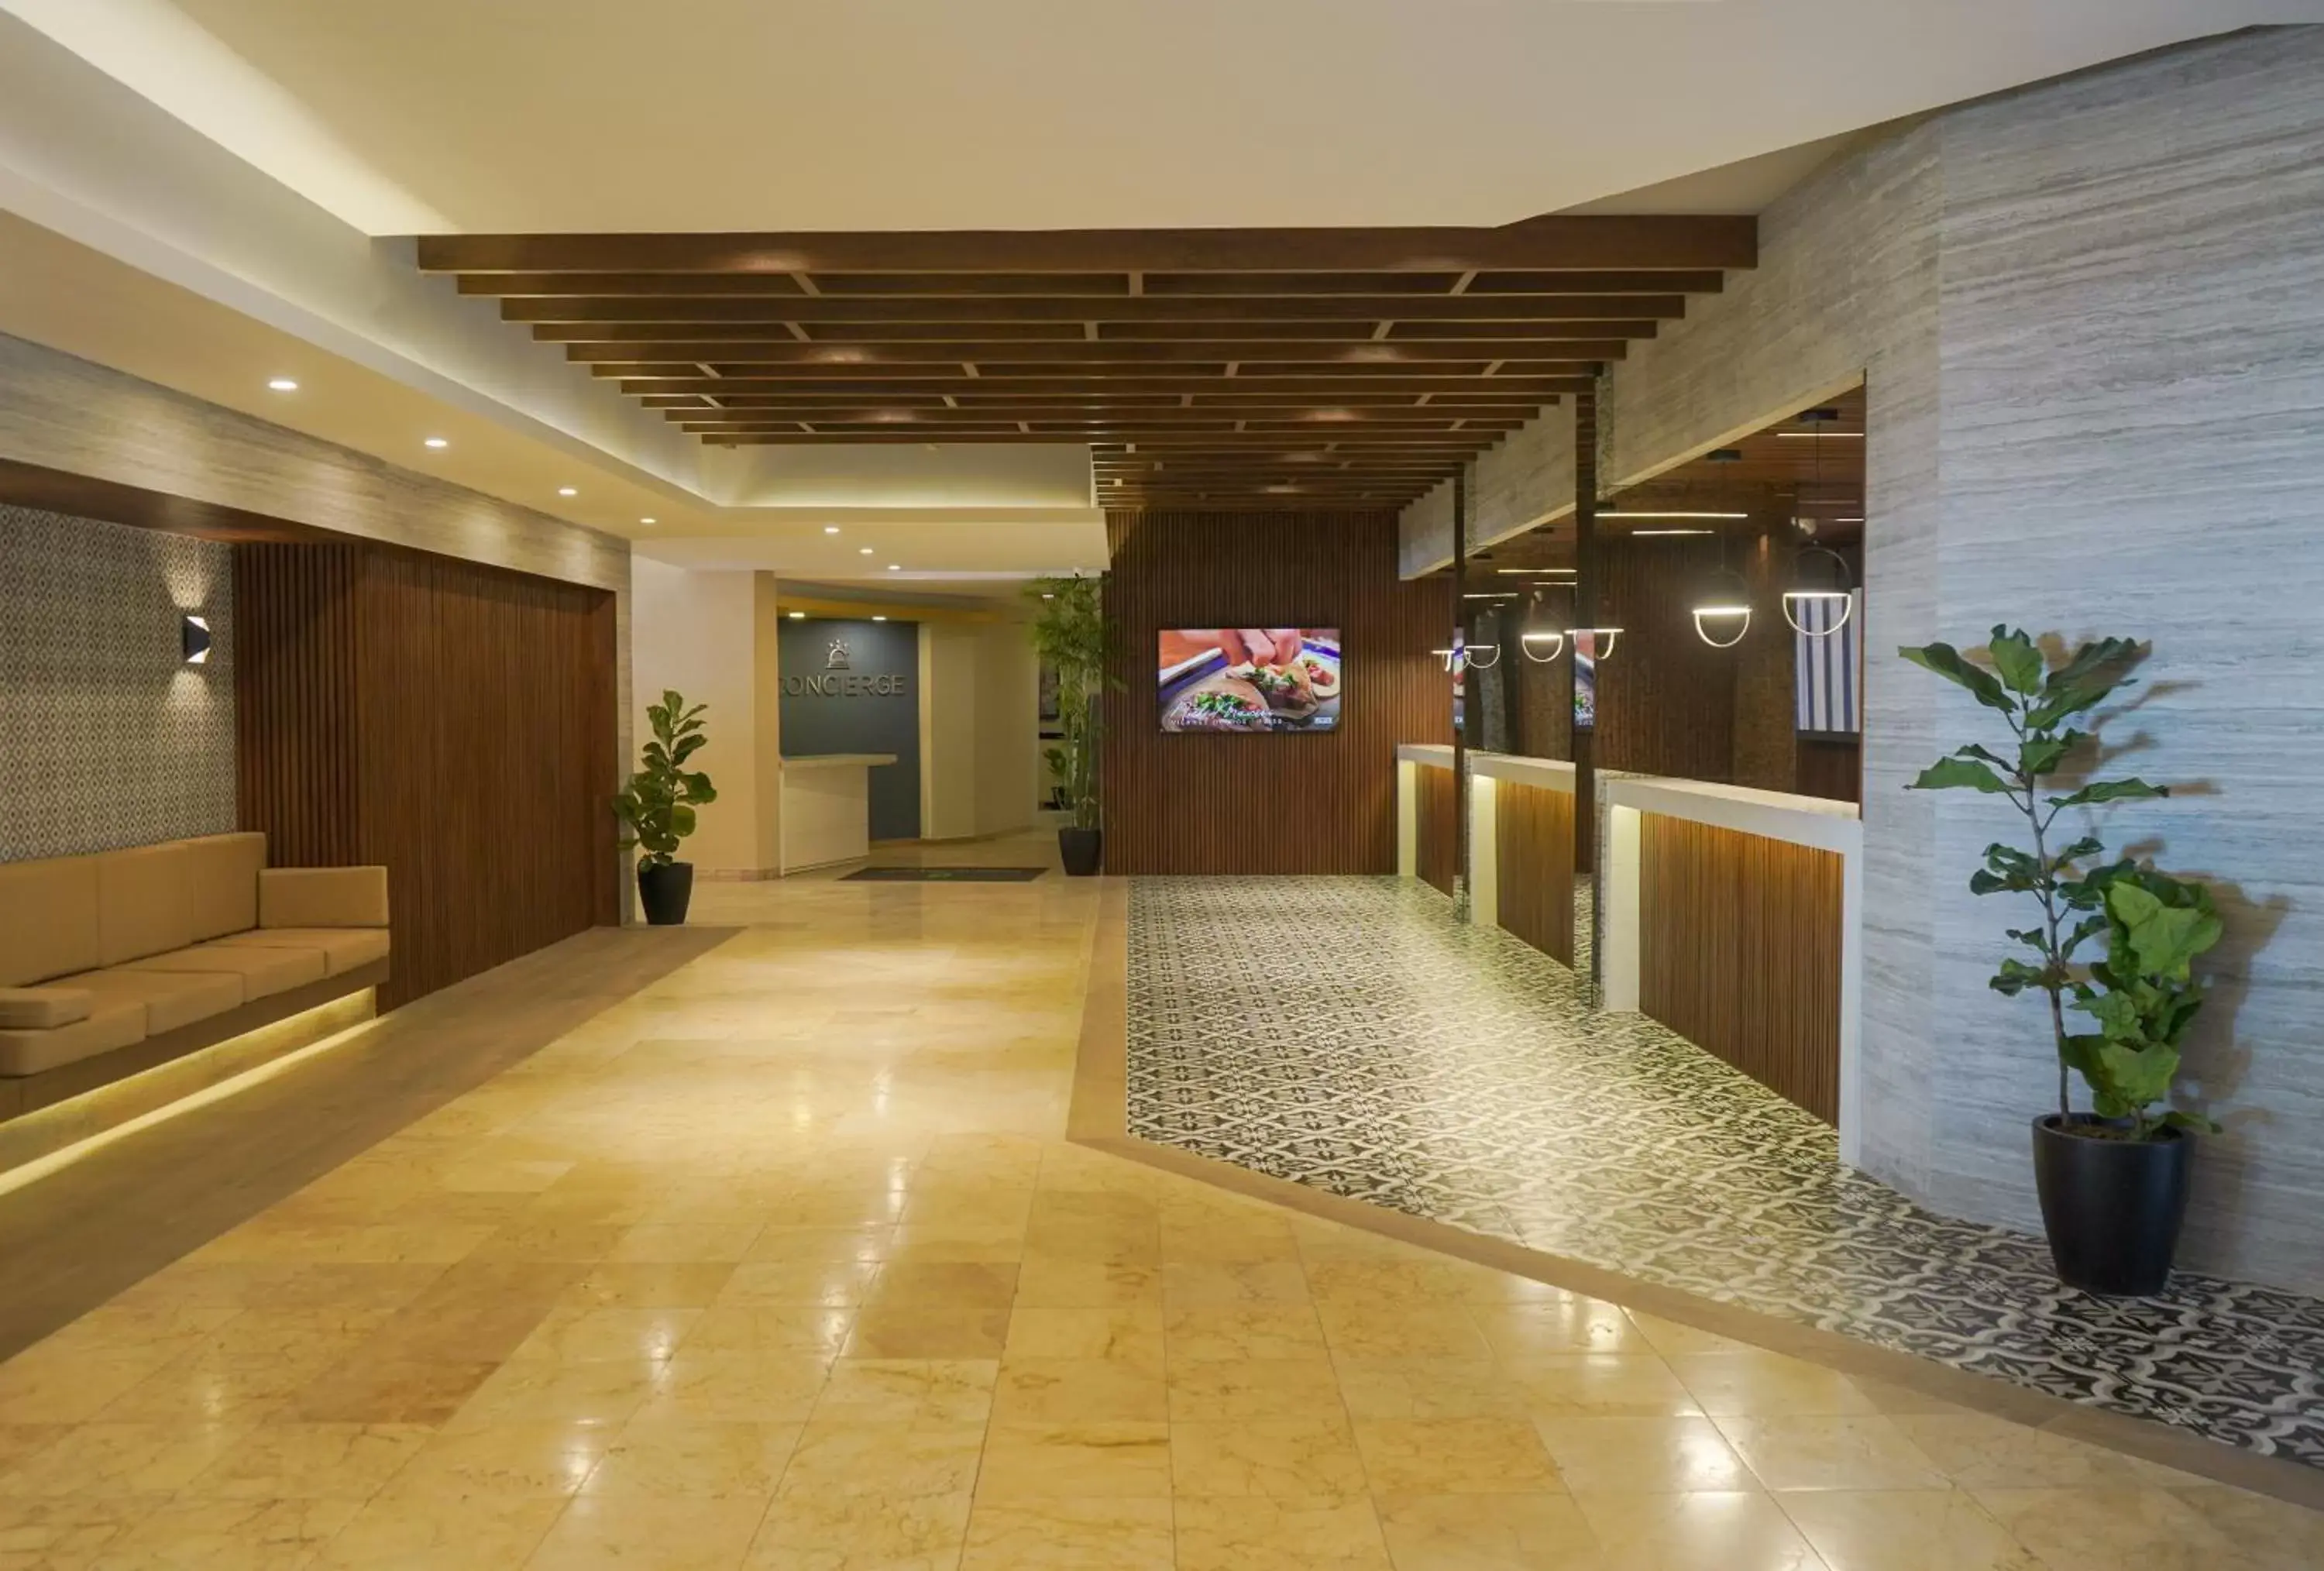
1069, 636
658, 804
2143, 995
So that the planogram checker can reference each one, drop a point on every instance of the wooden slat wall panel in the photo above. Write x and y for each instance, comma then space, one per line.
1834, 770
1439, 849
1533, 830
1739, 953
465, 729
1665, 700
296, 701
1268, 804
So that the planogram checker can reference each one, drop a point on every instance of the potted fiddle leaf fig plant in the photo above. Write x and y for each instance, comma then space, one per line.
2112, 1179
1068, 632
656, 807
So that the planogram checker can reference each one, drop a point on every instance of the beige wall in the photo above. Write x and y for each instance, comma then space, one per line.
696, 632
978, 697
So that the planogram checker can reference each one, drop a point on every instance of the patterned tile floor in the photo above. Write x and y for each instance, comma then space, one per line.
1452, 1073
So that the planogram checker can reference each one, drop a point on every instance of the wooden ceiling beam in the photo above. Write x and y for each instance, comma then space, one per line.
1113, 286
1555, 241
1081, 352
830, 308
1224, 339
1326, 389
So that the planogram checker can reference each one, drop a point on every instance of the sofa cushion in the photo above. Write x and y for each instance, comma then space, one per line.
48, 919
342, 948
41, 1008
322, 897
107, 1026
141, 907
172, 998
263, 971
221, 874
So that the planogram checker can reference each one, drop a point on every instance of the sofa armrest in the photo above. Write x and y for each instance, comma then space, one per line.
322, 897
38, 1009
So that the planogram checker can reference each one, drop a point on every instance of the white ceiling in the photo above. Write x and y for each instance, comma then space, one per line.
404, 117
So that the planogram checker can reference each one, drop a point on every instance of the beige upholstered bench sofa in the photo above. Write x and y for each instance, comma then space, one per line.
114, 963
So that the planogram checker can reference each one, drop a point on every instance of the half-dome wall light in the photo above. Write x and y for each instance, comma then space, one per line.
1816, 603
1602, 638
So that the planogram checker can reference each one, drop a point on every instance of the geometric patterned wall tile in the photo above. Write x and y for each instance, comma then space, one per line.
107, 738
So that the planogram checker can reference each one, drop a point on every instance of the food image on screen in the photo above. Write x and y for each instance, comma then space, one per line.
1248, 680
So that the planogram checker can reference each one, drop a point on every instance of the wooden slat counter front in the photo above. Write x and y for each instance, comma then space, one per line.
1735, 917
1520, 838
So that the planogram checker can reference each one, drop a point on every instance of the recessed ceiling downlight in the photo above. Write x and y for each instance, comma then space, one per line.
283, 384
438, 443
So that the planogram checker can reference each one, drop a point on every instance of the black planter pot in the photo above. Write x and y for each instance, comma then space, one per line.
664, 893
1083, 850
2112, 1208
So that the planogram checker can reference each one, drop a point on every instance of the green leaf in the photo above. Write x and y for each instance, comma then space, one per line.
681, 822
1948, 773
2088, 661
2019, 662
2111, 791
1949, 663
2091, 927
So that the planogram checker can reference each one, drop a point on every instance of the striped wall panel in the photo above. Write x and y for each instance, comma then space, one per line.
1739, 953
452, 722
1279, 804
1533, 831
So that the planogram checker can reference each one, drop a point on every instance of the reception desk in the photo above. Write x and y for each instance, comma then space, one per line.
1735, 917
826, 808
1520, 838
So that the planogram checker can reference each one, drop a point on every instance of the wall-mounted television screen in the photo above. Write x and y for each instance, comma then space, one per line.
1248, 679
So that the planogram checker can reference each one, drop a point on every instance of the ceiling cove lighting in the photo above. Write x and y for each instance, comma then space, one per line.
1643, 533
283, 384
1529, 572
1817, 603
878, 619
194, 640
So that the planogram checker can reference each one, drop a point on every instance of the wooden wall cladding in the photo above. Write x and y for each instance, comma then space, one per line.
1739, 953
1437, 851
1273, 804
1532, 871
454, 722
1666, 699
1832, 768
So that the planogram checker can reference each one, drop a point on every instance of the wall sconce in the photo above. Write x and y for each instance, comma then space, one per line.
194, 640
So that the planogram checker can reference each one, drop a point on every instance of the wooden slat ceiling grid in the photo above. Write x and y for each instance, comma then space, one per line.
1222, 368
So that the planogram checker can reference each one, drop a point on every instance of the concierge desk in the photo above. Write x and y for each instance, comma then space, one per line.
826, 808
1520, 838
1735, 917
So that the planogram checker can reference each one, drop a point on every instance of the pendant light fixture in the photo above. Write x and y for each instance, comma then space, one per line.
1541, 646
1722, 612
1602, 638
1815, 604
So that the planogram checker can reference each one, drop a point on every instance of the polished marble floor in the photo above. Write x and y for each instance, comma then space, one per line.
1449, 1072
781, 1263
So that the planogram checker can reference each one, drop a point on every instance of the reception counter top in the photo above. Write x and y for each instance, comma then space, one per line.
826, 808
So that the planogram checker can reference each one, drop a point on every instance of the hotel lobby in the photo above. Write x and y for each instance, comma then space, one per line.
636, 930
